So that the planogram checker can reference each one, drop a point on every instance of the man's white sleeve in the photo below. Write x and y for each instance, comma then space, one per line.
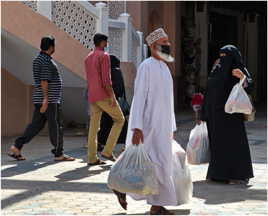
140, 96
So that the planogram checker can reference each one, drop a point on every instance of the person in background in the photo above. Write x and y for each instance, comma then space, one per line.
47, 101
197, 102
102, 99
230, 160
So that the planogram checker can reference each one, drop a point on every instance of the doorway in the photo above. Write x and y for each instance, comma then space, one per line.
222, 31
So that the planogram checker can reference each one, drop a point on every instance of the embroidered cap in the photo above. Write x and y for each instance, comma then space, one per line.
155, 36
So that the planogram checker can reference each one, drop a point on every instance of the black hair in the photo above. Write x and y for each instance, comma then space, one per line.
46, 42
98, 38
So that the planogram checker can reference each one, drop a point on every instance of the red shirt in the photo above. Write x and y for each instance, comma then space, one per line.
98, 73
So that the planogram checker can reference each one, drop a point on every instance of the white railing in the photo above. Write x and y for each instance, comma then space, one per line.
81, 20
130, 45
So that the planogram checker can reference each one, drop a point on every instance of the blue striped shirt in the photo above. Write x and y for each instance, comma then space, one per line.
45, 69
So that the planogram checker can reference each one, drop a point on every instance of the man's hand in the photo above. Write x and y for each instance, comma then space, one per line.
44, 106
137, 137
110, 92
238, 73
44, 86
113, 101
198, 121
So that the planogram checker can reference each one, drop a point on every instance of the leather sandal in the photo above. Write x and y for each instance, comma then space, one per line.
16, 157
161, 211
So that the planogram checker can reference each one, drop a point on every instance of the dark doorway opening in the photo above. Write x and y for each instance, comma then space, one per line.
222, 31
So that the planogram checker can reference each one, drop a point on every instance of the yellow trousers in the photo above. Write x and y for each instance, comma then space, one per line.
96, 110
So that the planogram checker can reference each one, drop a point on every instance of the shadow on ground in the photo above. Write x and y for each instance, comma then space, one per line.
34, 188
232, 193
82, 172
174, 211
26, 166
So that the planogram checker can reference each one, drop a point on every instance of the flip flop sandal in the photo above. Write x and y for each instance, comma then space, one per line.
156, 212
65, 158
16, 157
98, 162
121, 199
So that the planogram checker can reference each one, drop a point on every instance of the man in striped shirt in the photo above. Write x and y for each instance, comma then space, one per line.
47, 101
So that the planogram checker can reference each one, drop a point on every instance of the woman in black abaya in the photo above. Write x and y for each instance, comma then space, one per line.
230, 155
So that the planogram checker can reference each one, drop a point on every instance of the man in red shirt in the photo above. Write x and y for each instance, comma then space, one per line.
102, 99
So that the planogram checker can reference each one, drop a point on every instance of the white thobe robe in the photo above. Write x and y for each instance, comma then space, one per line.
152, 111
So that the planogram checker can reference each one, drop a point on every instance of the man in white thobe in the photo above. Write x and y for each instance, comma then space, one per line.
152, 120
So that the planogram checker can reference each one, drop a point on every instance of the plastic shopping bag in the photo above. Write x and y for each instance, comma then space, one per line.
181, 174
198, 146
133, 172
238, 101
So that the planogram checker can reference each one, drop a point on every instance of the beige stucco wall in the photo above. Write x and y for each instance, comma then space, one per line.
16, 102
129, 74
23, 22
139, 13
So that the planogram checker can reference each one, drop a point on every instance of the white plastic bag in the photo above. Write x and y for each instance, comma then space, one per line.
133, 172
181, 174
238, 101
198, 146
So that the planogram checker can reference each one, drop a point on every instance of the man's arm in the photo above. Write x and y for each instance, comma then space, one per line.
44, 86
106, 78
45, 76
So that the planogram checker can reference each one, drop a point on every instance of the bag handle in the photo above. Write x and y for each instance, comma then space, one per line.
242, 81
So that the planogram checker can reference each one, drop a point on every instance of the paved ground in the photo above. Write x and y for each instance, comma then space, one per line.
41, 187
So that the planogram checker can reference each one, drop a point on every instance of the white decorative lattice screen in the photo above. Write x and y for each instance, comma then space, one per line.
31, 4
74, 19
115, 42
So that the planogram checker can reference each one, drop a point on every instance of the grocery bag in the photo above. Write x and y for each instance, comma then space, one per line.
238, 101
133, 172
198, 146
181, 174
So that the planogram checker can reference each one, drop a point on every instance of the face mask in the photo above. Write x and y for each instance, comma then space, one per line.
164, 51
106, 49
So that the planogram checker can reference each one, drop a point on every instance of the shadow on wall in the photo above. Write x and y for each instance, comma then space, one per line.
74, 105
